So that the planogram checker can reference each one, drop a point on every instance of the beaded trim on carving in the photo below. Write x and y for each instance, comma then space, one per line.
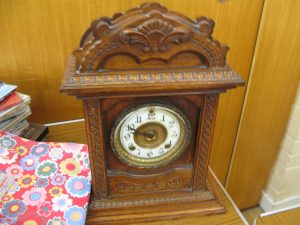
167, 77
152, 78
205, 195
73, 78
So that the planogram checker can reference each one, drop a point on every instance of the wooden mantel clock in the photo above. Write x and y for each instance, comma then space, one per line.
149, 80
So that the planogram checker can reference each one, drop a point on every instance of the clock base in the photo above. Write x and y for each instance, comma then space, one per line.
124, 211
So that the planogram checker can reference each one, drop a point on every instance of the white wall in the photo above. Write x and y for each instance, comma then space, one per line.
283, 188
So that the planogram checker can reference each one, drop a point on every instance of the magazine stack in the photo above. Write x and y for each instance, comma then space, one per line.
14, 109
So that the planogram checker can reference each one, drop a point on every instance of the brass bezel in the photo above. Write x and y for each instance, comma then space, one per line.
173, 154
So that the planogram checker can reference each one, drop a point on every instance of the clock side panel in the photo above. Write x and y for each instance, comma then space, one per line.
97, 154
123, 179
204, 140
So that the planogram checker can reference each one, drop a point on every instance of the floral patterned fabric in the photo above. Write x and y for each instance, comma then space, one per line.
51, 182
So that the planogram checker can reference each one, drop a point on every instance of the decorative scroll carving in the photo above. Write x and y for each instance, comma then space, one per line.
204, 143
173, 183
96, 148
148, 32
155, 35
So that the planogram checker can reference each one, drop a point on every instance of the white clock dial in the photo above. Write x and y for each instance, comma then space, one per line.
150, 135
146, 143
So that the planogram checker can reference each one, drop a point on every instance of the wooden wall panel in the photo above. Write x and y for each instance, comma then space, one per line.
37, 37
272, 88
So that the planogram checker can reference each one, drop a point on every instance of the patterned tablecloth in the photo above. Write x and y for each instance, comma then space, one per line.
43, 182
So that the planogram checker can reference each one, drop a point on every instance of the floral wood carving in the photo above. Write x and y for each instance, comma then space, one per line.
173, 183
155, 35
145, 33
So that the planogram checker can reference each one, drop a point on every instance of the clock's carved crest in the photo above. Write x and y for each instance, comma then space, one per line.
155, 35
149, 32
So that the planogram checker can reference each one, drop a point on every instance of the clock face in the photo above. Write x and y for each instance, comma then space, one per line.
150, 135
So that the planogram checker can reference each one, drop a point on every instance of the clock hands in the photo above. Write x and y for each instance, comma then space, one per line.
149, 134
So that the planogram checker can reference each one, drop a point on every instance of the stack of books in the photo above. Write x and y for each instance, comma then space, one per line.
14, 110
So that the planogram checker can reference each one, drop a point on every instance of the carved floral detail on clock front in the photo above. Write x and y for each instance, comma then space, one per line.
149, 32
154, 35
151, 186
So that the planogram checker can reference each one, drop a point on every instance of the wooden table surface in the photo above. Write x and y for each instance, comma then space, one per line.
75, 132
289, 217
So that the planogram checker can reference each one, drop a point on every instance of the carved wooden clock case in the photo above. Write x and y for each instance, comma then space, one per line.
149, 80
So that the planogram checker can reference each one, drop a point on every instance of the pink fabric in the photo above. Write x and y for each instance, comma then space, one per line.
50, 182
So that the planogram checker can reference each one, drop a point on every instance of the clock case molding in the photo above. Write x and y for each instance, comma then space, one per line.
149, 54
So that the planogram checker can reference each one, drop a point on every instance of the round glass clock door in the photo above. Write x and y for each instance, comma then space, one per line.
150, 135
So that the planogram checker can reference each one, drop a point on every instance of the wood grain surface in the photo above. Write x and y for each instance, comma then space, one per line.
71, 132
290, 217
274, 80
37, 37
251, 214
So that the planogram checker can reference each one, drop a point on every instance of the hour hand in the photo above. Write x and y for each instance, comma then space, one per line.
135, 131
150, 134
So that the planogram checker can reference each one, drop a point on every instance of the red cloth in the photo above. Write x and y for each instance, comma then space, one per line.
50, 182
